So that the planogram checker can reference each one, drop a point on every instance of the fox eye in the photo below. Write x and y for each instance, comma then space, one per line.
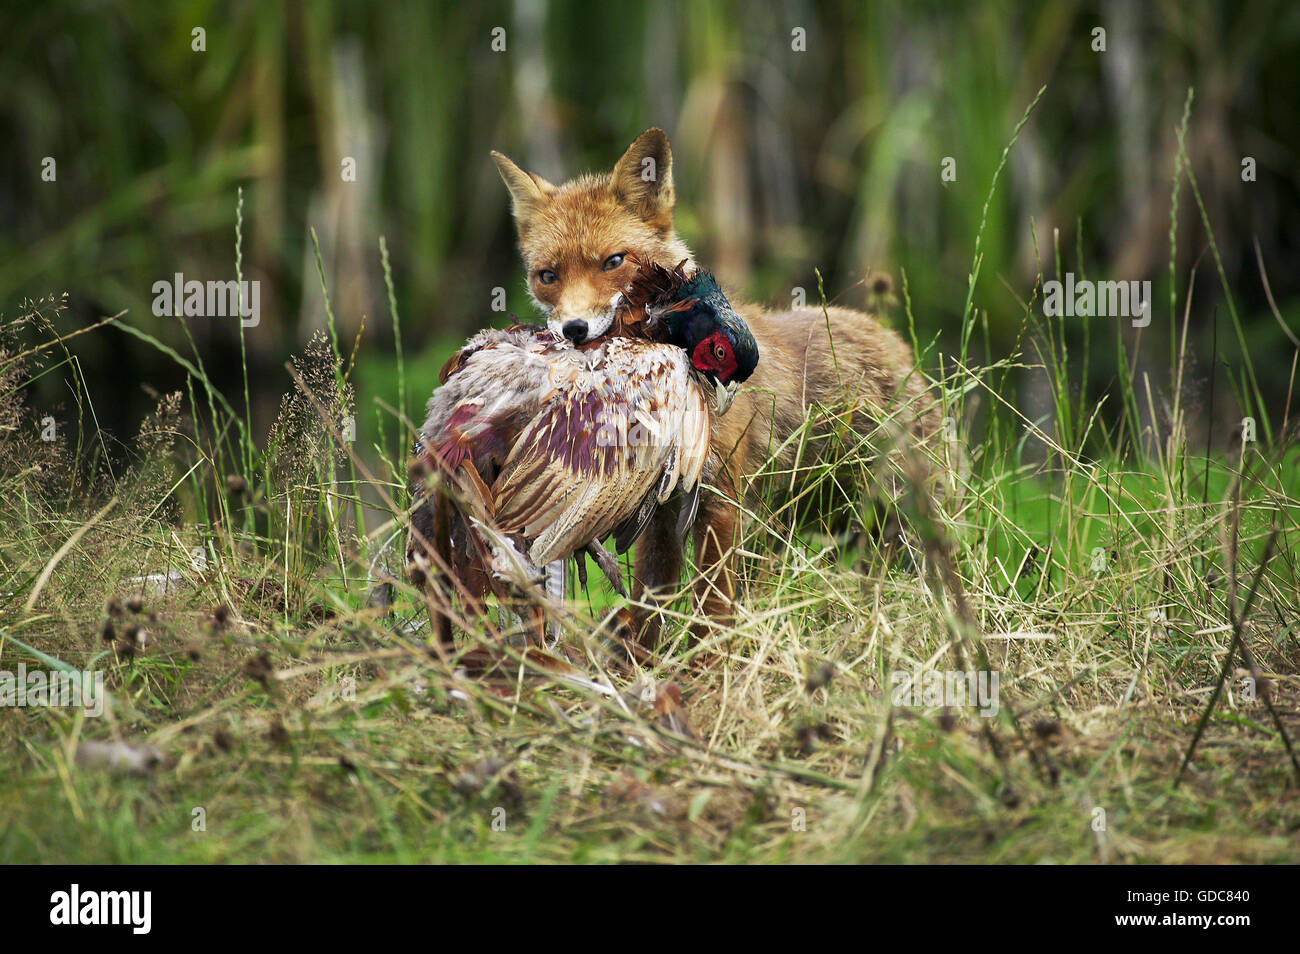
614, 261
547, 277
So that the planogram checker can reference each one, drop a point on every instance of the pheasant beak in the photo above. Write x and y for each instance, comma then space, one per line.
723, 395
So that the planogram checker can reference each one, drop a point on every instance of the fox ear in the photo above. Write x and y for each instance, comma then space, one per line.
643, 178
528, 192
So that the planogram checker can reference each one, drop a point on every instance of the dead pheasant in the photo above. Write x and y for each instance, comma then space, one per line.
534, 449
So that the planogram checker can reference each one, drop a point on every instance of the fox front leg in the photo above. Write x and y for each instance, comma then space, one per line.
657, 574
715, 545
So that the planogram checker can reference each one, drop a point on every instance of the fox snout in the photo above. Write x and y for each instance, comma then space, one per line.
581, 326
582, 329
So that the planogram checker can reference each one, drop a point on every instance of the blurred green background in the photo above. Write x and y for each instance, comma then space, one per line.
785, 160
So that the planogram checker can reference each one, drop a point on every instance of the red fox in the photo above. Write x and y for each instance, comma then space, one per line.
578, 241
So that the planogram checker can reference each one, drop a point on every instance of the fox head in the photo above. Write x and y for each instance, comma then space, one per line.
578, 239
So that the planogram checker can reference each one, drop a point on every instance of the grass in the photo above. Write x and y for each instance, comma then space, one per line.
1111, 575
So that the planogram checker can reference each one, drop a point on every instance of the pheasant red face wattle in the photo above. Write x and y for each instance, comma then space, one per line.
715, 354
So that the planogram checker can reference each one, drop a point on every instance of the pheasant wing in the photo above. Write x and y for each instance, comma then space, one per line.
631, 428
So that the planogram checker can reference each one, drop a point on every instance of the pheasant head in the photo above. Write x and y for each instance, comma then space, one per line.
690, 311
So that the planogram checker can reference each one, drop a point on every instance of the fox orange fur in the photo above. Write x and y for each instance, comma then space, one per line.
577, 240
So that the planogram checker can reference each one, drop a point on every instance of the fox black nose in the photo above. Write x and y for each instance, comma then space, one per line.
575, 331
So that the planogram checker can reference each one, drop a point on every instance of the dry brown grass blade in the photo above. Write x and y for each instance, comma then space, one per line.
1238, 642
1268, 294
62, 552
